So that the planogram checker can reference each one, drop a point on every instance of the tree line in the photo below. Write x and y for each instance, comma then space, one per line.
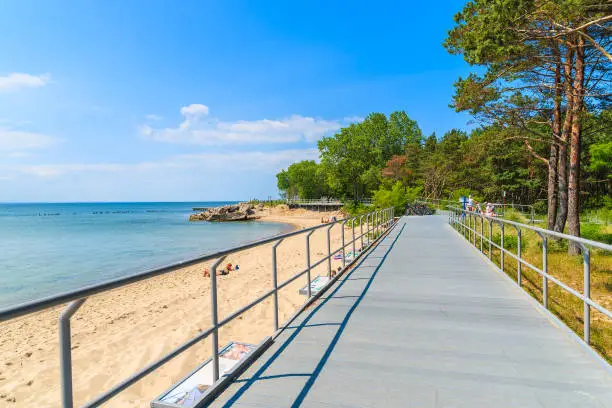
540, 93
484, 162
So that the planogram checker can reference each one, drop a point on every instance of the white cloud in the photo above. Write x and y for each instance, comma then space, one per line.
153, 117
18, 80
17, 140
195, 109
209, 162
198, 128
252, 160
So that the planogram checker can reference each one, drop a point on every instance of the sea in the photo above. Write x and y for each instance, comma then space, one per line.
47, 249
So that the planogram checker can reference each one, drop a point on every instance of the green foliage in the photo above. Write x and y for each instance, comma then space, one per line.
356, 209
358, 162
601, 158
540, 207
513, 215
305, 179
556, 245
596, 232
352, 159
460, 192
397, 196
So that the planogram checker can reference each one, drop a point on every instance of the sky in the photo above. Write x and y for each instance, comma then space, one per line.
152, 100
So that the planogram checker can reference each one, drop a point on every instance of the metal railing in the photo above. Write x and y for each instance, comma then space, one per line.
525, 209
314, 201
376, 222
325, 201
467, 224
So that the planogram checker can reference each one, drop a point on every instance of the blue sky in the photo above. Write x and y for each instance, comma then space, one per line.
191, 100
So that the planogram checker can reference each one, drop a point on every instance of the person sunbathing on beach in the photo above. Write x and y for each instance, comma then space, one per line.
219, 273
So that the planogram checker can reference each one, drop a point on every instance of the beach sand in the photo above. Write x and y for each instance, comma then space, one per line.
115, 334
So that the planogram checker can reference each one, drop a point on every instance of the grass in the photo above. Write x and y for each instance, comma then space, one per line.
567, 269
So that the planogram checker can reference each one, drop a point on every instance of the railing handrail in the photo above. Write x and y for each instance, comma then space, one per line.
550, 233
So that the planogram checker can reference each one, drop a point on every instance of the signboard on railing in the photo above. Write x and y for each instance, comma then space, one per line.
315, 285
188, 392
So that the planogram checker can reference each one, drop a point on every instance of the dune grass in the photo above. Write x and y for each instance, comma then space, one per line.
568, 269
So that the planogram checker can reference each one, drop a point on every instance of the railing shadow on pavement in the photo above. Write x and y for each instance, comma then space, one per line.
312, 377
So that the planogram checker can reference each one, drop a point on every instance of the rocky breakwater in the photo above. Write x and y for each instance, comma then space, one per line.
237, 212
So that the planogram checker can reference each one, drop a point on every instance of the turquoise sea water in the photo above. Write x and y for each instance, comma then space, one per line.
51, 248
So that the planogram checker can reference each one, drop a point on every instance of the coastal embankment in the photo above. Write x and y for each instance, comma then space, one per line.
116, 333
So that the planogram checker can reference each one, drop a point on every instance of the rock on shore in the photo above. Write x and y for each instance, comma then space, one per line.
237, 212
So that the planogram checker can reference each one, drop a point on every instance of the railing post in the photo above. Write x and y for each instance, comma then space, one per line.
544, 270
329, 250
214, 317
374, 224
343, 245
367, 233
587, 293
308, 260
472, 228
518, 254
353, 227
502, 246
490, 239
376, 214
275, 283
481, 232
66, 351
361, 231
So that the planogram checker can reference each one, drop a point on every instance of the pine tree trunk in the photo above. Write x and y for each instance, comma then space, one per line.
554, 147
573, 207
563, 143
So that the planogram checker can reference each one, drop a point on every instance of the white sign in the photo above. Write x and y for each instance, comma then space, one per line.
315, 285
189, 391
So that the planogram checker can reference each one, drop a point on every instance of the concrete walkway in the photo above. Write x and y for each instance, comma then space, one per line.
422, 322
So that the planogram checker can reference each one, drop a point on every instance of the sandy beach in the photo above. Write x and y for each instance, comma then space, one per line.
117, 333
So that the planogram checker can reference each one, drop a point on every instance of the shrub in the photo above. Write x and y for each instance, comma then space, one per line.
513, 215
540, 207
556, 245
398, 197
595, 232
